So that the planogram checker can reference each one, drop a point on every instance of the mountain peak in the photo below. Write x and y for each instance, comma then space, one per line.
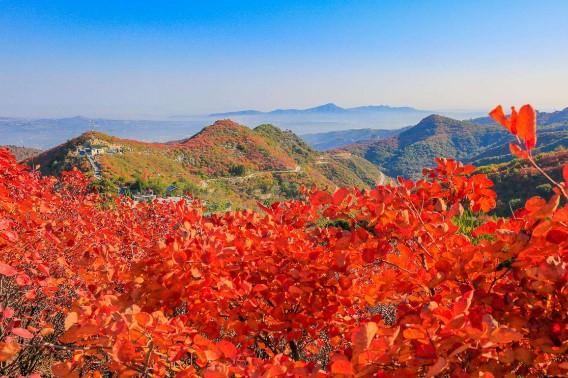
220, 126
434, 118
328, 108
225, 123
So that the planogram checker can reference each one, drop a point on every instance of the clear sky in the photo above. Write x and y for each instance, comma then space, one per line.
152, 58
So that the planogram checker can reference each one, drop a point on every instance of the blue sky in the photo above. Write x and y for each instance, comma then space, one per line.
158, 58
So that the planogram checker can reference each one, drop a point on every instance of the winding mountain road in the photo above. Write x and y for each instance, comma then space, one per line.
298, 169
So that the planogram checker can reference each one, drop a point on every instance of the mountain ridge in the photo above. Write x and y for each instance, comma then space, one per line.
324, 108
479, 142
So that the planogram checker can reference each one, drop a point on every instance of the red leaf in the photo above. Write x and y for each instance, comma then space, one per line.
437, 368
23, 279
228, 349
565, 173
518, 151
8, 350
363, 335
7, 270
319, 198
340, 195
23, 333
463, 303
341, 367
369, 255
499, 116
70, 320
11, 236
557, 235
526, 126
345, 282
8, 312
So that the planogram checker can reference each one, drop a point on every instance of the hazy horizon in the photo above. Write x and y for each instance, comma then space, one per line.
143, 59
459, 113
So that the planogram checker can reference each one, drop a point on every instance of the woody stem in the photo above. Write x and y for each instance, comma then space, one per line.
559, 186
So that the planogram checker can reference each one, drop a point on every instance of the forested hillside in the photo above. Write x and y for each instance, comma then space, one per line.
517, 181
480, 142
226, 164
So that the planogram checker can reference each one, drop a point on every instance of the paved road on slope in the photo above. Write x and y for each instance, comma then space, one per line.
98, 173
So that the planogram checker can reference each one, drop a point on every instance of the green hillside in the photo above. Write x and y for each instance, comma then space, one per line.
517, 180
480, 143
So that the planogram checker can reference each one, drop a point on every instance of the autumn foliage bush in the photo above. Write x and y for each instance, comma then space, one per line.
354, 283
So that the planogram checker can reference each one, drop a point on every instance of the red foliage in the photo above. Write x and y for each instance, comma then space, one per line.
521, 124
304, 289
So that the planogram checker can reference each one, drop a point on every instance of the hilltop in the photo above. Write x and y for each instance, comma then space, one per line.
475, 141
416, 147
225, 163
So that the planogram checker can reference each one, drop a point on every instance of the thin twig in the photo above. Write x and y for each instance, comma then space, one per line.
552, 181
147, 360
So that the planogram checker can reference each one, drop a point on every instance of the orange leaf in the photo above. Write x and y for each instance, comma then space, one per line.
8, 350
195, 273
144, 319
70, 319
534, 204
505, 335
437, 368
363, 335
413, 334
341, 367
7, 270
46, 331
499, 116
63, 369
518, 151
526, 126
228, 349
23, 333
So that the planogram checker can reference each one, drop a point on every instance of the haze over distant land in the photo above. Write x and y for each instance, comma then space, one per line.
48, 132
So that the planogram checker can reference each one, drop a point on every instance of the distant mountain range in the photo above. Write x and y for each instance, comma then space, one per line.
48, 132
223, 163
329, 108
